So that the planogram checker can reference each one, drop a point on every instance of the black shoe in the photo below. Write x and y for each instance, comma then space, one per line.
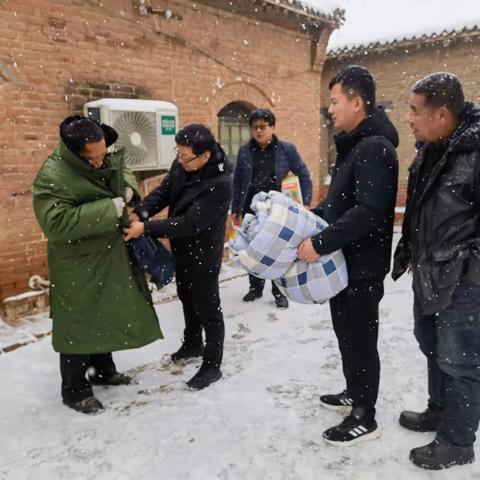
426, 421
204, 377
252, 295
357, 427
115, 379
186, 351
340, 402
281, 302
440, 454
89, 405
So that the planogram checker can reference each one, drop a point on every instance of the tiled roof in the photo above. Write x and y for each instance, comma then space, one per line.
330, 13
378, 46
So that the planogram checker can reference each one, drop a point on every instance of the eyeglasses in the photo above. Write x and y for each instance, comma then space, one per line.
261, 127
182, 158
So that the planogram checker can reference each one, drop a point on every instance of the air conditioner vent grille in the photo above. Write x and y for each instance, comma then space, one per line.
137, 135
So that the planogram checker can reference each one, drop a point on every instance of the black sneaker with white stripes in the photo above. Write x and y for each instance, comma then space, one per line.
341, 402
357, 427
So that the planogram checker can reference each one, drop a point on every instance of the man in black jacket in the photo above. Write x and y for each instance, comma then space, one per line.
441, 244
360, 208
198, 191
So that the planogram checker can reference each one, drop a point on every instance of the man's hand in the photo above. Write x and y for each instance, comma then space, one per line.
119, 203
236, 219
133, 217
306, 252
136, 229
128, 194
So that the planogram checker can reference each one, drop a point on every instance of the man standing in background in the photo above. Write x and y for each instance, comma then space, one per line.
262, 164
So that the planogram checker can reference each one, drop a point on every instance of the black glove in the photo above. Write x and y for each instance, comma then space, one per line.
401, 260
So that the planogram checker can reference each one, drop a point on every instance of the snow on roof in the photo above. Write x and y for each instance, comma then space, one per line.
379, 22
441, 36
326, 9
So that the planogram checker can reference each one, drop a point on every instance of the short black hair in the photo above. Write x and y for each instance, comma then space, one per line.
442, 89
197, 136
357, 81
262, 114
76, 131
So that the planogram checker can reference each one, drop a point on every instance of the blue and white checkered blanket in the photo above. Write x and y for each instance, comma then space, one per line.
266, 246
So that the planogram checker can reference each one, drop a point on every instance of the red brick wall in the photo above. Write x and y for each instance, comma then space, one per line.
56, 54
396, 70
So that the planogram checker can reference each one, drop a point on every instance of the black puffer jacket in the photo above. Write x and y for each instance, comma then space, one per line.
198, 206
441, 232
360, 203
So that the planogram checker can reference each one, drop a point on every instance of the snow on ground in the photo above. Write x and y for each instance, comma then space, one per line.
33, 327
25, 331
368, 21
261, 421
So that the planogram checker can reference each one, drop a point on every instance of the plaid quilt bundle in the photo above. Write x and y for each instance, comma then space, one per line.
266, 246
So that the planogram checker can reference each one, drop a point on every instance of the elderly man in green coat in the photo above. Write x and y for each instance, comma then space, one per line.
99, 299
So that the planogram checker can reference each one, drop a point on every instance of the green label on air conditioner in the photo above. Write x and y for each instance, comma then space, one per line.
168, 125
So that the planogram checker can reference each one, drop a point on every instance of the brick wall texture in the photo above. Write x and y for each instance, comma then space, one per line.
396, 69
55, 55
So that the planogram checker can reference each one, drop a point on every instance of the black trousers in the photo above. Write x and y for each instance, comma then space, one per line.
73, 369
355, 322
200, 299
257, 285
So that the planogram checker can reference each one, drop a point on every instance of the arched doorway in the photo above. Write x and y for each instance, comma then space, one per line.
233, 128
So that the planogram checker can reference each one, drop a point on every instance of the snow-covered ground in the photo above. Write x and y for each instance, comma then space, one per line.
261, 421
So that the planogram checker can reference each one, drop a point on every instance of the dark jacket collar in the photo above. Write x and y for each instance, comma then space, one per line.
467, 135
465, 138
272, 145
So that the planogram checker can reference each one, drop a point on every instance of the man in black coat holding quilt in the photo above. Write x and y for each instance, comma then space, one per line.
359, 208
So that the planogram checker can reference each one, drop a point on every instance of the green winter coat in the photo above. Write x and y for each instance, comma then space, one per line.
99, 301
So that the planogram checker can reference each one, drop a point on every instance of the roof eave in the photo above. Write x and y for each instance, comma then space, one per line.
334, 19
376, 47
289, 14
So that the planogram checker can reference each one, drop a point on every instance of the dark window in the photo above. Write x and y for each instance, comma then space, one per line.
233, 128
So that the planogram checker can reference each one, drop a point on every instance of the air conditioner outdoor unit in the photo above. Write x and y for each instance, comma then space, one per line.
146, 129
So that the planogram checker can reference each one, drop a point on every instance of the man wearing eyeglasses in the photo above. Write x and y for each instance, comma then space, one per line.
198, 192
262, 164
